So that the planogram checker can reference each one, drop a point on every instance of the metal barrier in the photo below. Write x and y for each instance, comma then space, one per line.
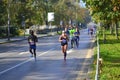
98, 56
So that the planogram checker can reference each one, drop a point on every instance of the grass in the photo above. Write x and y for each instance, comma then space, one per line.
110, 53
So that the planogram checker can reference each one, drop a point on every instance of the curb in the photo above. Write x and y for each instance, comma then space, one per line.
49, 34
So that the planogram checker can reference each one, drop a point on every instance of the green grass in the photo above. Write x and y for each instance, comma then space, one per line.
110, 53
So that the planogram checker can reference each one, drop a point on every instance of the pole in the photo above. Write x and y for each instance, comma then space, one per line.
76, 14
51, 27
46, 13
23, 24
8, 29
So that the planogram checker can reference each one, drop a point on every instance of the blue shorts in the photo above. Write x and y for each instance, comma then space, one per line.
33, 46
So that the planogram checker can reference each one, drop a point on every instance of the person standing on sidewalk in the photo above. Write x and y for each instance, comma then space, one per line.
64, 43
32, 39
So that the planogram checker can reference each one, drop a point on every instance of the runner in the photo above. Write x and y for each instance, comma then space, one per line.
72, 31
76, 37
67, 31
64, 43
78, 33
32, 39
91, 32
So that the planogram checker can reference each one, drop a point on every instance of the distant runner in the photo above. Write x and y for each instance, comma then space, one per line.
32, 39
91, 32
76, 37
64, 43
72, 31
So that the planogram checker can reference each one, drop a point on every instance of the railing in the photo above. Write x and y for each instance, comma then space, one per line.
98, 56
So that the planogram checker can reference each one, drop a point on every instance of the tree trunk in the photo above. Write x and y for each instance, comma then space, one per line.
104, 35
111, 28
116, 29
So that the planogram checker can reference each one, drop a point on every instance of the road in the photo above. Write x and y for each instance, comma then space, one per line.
16, 63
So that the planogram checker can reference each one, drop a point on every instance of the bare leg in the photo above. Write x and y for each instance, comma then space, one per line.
34, 53
65, 52
31, 52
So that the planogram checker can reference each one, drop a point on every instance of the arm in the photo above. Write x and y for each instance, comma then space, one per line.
67, 38
60, 39
78, 32
28, 39
36, 40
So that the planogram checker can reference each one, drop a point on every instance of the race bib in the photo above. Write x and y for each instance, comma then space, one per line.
31, 42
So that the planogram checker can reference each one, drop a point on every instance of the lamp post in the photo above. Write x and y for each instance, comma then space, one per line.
8, 28
23, 23
76, 12
46, 22
76, 15
80, 25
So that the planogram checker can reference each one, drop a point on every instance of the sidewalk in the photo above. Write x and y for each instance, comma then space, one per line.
13, 39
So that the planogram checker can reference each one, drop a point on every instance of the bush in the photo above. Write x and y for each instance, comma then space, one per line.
3, 32
14, 31
2, 35
59, 32
21, 32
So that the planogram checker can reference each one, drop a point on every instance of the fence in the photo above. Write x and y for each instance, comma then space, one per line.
98, 57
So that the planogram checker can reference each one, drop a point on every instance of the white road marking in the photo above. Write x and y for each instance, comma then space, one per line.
24, 53
46, 52
2, 72
23, 62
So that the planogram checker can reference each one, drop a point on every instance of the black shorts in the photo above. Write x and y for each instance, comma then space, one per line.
91, 33
62, 44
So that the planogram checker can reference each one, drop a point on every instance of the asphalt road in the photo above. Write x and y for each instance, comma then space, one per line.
16, 63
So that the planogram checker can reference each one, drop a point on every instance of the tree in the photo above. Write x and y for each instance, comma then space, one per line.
35, 12
2, 12
104, 11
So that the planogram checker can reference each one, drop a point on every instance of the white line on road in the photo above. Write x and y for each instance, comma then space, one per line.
24, 53
23, 62
2, 72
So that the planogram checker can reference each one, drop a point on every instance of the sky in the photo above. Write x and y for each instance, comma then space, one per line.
82, 4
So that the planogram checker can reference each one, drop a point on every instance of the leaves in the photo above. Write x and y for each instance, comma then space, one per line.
105, 6
35, 11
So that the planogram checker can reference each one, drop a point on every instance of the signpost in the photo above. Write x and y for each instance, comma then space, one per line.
50, 18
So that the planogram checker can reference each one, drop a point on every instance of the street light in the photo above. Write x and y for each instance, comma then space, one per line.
8, 29
46, 22
76, 13
8, 10
23, 23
